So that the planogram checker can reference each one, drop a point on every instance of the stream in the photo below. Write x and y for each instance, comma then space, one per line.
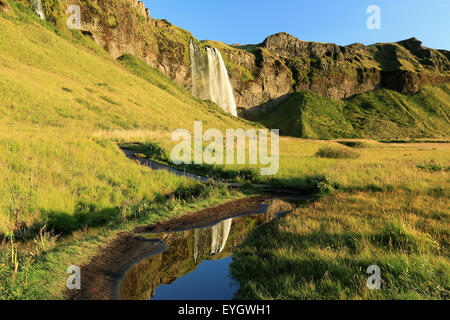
193, 263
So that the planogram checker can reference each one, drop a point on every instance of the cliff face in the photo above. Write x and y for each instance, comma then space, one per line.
340, 72
4, 6
126, 27
263, 75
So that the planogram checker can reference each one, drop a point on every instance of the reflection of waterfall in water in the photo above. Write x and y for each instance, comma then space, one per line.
195, 264
196, 239
220, 234
39, 9
210, 79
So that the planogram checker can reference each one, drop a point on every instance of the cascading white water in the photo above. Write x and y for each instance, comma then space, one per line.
219, 83
220, 234
210, 79
39, 9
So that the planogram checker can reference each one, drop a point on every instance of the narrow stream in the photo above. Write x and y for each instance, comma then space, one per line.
195, 264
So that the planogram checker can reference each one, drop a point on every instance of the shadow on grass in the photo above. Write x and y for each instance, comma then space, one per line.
156, 153
309, 184
65, 223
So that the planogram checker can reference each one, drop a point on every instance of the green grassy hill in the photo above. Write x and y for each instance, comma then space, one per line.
377, 115
64, 106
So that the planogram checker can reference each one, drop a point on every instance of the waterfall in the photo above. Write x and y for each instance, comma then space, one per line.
210, 79
220, 234
219, 83
38, 8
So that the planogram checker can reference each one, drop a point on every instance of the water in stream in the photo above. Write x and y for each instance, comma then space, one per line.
195, 264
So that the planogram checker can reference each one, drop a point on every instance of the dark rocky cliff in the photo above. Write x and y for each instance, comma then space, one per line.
4, 6
126, 27
340, 72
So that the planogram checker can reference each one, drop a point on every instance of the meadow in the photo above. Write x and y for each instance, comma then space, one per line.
375, 203
387, 208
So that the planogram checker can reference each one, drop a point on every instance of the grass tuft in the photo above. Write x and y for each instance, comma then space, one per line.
336, 153
432, 166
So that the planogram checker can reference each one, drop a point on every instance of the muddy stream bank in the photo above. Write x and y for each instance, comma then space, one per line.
187, 257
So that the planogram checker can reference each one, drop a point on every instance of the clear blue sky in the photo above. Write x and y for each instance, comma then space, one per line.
339, 21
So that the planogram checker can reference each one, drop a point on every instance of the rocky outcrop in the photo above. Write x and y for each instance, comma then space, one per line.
336, 71
4, 7
256, 76
126, 27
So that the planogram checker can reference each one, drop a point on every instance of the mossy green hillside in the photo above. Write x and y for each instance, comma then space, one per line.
377, 115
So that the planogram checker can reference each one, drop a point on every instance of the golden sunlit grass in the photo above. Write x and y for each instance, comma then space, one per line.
322, 250
388, 208
379, 166
50, 177
63, 104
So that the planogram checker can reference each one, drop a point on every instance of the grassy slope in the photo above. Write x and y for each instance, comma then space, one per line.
61, 100
62, 92
378, 114
322, 251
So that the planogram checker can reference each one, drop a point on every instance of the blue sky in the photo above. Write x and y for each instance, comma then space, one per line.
339, 21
